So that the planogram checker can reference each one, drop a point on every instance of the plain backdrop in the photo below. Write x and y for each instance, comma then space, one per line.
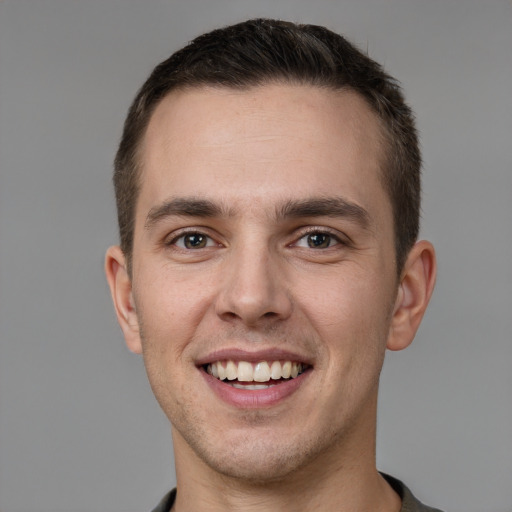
79, 427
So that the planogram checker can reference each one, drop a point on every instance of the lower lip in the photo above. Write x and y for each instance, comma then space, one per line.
256, 398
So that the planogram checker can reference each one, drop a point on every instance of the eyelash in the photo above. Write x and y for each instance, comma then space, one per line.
173, 242
210, 242
321, 231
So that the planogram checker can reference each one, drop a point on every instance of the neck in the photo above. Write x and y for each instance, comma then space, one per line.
344, 479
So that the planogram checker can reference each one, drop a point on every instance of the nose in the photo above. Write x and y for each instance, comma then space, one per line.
253, 289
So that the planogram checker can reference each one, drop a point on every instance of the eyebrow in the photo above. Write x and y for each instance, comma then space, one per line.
185, 207
336, 207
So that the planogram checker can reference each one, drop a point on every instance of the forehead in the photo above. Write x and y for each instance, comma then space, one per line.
257, 145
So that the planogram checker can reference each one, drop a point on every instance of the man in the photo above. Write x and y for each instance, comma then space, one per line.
267, 186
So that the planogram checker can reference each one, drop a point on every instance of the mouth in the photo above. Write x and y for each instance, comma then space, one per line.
251, 376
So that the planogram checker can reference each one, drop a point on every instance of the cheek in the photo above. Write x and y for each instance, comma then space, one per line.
348, 298
169, 308
351, 317
166, 320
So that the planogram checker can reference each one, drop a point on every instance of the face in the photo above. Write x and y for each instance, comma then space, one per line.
263, 256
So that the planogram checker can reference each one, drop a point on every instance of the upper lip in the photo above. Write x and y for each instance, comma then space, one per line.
236, 354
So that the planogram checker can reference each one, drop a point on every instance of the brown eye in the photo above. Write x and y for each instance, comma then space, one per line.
319, 240
193, 241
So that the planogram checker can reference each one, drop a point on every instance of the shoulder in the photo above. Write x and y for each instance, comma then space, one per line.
166, 503
409, 502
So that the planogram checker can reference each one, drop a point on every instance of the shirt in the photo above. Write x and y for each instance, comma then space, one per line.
409, 502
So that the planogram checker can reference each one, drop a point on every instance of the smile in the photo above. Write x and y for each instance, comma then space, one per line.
240, 374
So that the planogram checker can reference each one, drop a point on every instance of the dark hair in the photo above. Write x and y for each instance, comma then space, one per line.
263, 51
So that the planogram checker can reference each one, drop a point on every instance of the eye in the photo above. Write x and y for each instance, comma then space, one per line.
193, 241
317, 240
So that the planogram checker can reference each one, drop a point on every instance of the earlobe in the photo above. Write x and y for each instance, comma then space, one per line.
414, 292
121, 290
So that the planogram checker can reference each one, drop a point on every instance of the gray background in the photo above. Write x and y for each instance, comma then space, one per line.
79, 428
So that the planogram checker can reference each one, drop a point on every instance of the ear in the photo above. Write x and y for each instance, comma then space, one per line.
121, 290
414, 291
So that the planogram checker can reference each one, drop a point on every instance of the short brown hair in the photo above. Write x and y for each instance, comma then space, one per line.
263, 51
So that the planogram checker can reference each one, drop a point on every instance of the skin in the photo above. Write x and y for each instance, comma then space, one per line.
259, 284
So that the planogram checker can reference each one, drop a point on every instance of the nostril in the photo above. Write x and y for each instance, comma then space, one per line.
230, 315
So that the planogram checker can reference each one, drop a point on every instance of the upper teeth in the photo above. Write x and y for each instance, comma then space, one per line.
263, 371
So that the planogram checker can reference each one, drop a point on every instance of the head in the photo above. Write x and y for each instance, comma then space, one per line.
263, 51
266, 188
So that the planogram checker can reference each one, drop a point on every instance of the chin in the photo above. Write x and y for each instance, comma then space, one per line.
258, 457
255, 466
